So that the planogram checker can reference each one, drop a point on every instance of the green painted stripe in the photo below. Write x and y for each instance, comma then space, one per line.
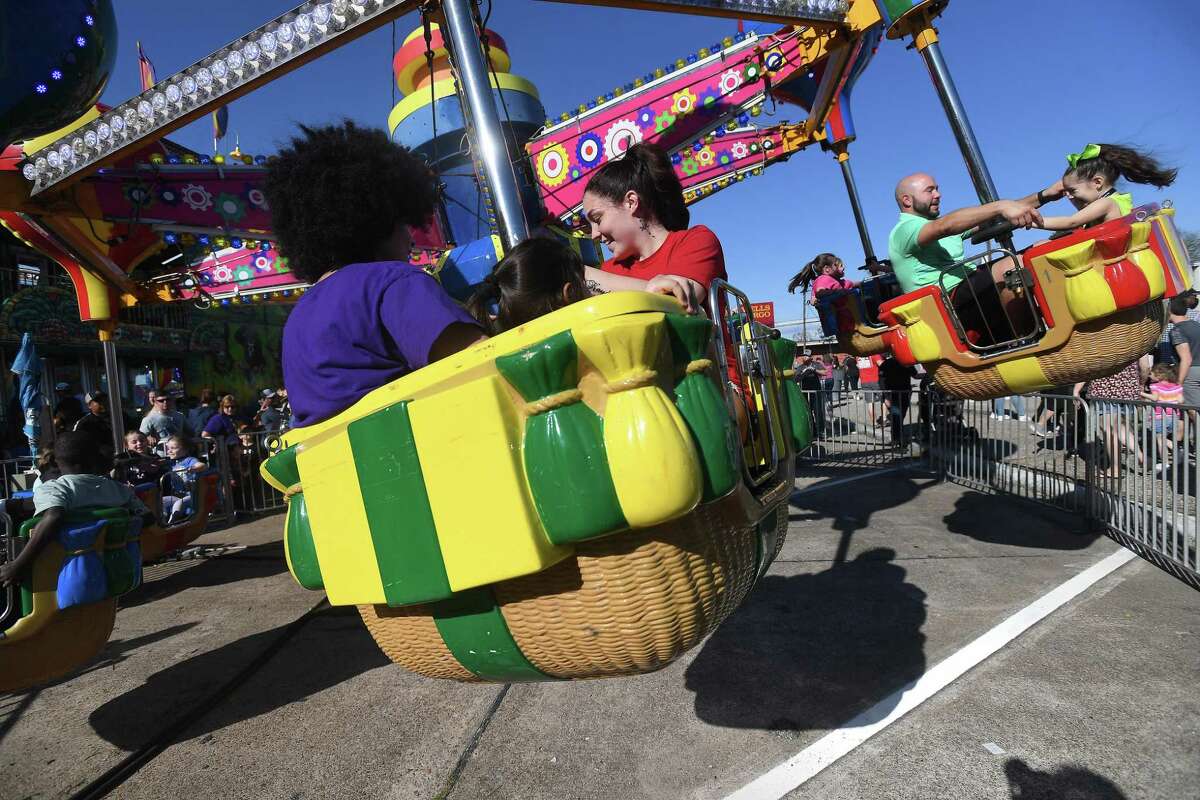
282, 466
476, 634
301, 549
397, 507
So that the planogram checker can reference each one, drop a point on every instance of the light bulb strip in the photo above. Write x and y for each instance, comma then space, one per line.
787, 12
290, 40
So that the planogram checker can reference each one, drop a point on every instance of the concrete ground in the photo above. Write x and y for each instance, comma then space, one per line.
882, 578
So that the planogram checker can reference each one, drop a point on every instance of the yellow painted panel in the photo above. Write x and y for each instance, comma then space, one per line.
468, 439
915, 317
654, 464
340, 531
1023, 374
1145, 259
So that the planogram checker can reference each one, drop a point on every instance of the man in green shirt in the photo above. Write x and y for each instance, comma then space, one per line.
924, 243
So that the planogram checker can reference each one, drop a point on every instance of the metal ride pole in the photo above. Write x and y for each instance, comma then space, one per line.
860, 219
468, 58
927, 45
116, 411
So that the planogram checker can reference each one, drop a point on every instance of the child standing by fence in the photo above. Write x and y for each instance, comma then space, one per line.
1165, 390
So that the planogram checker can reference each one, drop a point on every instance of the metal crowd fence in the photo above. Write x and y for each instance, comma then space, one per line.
863, 427
241, 489
8, 468
1127, 467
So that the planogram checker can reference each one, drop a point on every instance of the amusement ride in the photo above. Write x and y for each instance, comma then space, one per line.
617, 512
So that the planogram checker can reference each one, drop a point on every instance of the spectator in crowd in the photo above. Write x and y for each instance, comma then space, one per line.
1047, 421
81, 485
1018, 407
1125, 385
1185, 339
868, 372
222, 425
97, 424
1166, 393
199, 416
825, 370
268, 417
839, 379
137, 464
177, 494
67, 407
162, 421
896, 379
850, 369
285, 407
809, 378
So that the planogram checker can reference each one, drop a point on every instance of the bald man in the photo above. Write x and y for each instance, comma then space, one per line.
924, 245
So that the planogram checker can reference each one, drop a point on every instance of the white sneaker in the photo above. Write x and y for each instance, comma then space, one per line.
996, 416
1022, 418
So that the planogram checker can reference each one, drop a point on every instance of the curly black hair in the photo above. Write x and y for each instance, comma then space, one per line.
337, 193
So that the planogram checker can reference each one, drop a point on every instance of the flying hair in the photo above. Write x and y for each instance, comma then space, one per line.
1117, 161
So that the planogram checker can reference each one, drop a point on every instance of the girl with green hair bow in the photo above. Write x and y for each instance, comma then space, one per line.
1090, 184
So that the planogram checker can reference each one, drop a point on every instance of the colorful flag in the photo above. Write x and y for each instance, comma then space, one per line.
145, 68
220, 121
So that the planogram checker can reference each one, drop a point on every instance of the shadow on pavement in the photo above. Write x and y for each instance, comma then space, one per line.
850, 507
1004, 520
1064, 783
809, 652
256, 561
332, 647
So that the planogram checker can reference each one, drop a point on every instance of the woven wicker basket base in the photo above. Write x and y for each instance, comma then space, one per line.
860, 345
623, 605
1096, 349
408, 637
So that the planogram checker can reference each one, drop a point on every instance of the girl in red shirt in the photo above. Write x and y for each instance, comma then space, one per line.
635, 206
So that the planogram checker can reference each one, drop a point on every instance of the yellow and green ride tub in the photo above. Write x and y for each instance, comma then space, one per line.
60, 617
566, 500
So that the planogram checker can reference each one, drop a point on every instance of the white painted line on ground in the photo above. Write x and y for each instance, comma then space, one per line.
820, 754
875, 473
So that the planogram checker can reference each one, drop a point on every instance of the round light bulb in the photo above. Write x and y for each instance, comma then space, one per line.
188, 84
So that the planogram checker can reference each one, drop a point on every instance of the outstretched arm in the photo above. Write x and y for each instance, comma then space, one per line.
1018, 213
1094, 211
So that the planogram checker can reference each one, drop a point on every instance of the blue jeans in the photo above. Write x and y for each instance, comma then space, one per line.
1018, 404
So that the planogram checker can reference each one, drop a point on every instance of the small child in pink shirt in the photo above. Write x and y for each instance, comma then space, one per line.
831, 275
1166, 391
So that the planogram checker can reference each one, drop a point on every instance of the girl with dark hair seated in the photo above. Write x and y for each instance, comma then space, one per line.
635, 206
342, 200
1090, 184
539, 275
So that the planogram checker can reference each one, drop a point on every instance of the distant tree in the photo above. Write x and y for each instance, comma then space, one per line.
1191, 240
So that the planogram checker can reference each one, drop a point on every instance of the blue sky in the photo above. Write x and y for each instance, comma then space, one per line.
1039, 80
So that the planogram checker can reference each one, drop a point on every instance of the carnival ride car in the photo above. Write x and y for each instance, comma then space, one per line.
610, 405
1096, 296
61, 615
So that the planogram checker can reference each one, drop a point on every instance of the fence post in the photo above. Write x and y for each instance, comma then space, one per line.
1091, 453
226, 483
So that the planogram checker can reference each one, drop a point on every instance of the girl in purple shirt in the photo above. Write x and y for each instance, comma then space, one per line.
342, 201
